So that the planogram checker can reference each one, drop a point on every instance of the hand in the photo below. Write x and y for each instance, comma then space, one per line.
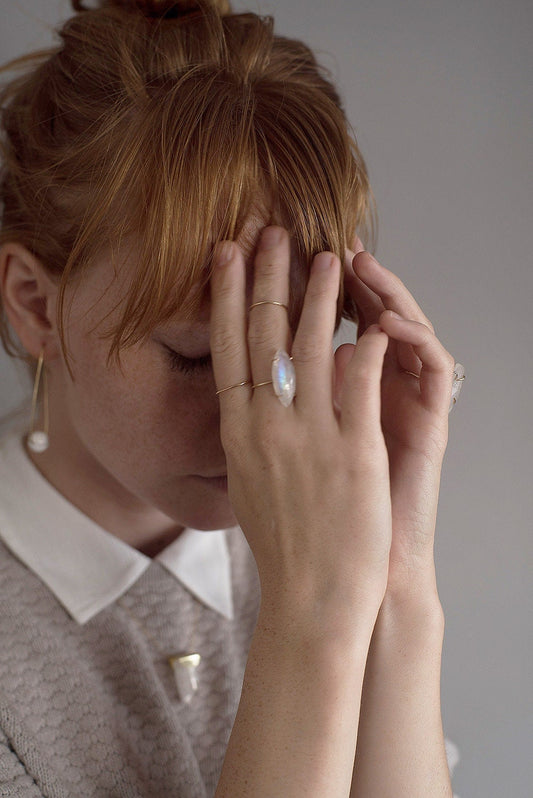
414, 414
309, 484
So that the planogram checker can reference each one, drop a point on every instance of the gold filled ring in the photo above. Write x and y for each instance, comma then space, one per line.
457, 379
259, 384
268, 302
237, 385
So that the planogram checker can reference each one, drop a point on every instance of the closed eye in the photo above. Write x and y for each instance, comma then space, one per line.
187, 365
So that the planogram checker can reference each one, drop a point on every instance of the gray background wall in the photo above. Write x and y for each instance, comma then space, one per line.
440, 94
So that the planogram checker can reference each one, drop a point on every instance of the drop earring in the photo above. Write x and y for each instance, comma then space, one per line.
38, 440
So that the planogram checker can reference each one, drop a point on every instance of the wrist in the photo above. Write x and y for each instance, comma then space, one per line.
318, 621
413, 584
414, 615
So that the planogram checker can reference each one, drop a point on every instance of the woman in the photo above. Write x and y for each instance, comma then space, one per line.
209, 498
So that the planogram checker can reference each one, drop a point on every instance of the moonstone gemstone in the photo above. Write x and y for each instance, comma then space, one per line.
458, 379
38, 441
184, 667
283, 378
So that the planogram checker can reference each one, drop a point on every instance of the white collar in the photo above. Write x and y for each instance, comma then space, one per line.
84, 566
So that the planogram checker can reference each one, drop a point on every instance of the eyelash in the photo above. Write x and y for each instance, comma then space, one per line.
187, 365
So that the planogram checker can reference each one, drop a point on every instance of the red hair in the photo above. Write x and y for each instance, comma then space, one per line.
162, 123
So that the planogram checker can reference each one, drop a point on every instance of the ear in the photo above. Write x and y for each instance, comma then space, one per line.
29, 296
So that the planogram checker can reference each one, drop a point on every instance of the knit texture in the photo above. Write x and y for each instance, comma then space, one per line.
93, 710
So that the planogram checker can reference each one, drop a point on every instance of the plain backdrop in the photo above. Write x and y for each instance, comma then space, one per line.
440, 96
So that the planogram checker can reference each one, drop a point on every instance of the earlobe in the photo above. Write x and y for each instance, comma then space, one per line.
28, 296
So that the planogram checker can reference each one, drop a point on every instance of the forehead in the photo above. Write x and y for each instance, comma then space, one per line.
247, 240
111, 274
100, 300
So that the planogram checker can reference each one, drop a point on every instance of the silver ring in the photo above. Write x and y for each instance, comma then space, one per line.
459, 377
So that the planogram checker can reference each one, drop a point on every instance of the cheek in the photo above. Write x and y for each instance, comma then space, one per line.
146, 412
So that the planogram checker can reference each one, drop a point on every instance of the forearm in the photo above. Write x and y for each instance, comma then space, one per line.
400, 748
296, 727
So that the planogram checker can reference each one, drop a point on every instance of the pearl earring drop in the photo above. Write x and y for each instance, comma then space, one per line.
38, 440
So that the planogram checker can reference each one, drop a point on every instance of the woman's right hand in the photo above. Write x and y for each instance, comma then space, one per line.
309, 483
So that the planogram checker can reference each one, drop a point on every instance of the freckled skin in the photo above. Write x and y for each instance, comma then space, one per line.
133, 446
127, 446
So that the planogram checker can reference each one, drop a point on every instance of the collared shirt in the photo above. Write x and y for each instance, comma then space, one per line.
83, 565
87, 569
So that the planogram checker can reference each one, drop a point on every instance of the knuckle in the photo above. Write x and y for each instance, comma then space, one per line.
426, 332
365, 375
308, 350
223, 341
267, 267
262, 334
448, 361
319, 289
224, 287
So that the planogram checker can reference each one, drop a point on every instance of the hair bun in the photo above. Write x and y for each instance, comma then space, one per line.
160, 9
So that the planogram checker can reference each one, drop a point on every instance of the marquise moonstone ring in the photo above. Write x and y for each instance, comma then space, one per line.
283, 377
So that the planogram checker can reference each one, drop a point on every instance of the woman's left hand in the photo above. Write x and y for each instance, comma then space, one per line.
414, 416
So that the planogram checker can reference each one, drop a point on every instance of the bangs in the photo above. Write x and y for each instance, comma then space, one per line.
167, 135
206, 155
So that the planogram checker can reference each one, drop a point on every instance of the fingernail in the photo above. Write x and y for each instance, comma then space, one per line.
270, 237
395, 315
354, 255
323, 261
223, 253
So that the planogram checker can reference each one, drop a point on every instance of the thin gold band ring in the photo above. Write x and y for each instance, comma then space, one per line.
237, 385
259, 384
268, 302
457, 379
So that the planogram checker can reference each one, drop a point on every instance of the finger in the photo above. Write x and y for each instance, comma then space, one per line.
357, 245
361, 389
370, 307
312, 348
369, 304
436, 375
394, 296
343, 355
268, 324
229, 349
388, 286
